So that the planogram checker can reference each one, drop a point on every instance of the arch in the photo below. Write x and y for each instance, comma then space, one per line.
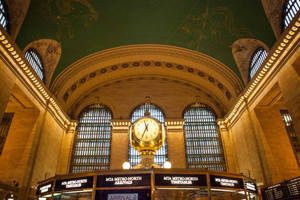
273, 10
50, 53
134, 61
162, 154
242, 51
17, 10
35, 61
203, 144
91, 147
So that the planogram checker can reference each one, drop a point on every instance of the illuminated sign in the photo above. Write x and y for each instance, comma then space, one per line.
129, 196
84, 182
123, 180
47, 187
251, 186
224, 181
180, 180
123, 194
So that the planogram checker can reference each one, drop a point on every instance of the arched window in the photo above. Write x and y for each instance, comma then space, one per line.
91, 150
257, 59
203, 144
161, 155
34, 60
290, 10
3, 15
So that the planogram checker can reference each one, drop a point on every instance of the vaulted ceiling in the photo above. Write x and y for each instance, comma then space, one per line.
85, 27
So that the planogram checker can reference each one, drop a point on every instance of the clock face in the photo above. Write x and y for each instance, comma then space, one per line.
146, 129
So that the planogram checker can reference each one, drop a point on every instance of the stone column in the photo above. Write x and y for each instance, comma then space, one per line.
228, 147
289, 83
63, 166
175, 139
119, 143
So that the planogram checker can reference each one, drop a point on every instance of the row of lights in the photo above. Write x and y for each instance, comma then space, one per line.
33, 77
167, 165
262, 72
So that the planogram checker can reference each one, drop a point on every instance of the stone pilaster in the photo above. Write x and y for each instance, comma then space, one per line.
175, 139
119, 143
289, 83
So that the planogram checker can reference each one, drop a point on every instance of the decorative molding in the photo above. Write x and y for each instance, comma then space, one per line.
120, 125
72, 127
174, 125
278, 55
24, 72
156, 64
165, 53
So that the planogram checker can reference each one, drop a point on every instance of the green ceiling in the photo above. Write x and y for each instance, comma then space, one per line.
87, 26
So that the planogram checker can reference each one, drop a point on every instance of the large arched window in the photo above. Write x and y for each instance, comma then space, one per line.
257, 59
3, 15
290, 10
203, 144
34, 60
91, 150
162, 154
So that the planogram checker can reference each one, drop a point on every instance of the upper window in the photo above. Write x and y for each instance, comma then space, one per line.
290, 10
257, 59
3, 15
34, 60
91, 150
161, 155
203, 144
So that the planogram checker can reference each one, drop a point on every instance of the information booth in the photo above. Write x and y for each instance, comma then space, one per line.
154, 184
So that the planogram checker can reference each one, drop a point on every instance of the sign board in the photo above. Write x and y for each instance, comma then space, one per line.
74, 183
250, 186
44, 188
124, 180
124, 194
225, 181
180, 180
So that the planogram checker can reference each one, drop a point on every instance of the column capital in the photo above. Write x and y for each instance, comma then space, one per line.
174, 124
120, 124
72, 126
222, 124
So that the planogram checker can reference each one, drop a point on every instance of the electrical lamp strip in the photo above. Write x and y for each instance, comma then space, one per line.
13, 52
269, 64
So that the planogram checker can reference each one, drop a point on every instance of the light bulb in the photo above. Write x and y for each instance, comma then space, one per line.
126, 165
167, 165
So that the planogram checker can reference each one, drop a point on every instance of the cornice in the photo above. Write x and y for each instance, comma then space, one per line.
278, 56
18, 64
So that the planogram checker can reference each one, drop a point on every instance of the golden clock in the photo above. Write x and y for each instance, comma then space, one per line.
147, 134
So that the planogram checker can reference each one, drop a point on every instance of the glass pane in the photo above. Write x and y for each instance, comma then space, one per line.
257, 59
290, 11
202, 139
91, 149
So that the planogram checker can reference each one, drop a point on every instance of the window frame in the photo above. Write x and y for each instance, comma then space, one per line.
287, 15
100, 153
34, 63
5, 14
218, 138
254, 65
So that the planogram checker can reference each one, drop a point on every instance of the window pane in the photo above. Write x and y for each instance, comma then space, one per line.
4, 128
289, 126
91, 150
290, 11
202, 139
162, 154
257, 59
34, 60
3, 15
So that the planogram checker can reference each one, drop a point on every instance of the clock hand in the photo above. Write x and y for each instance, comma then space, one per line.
146, 129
